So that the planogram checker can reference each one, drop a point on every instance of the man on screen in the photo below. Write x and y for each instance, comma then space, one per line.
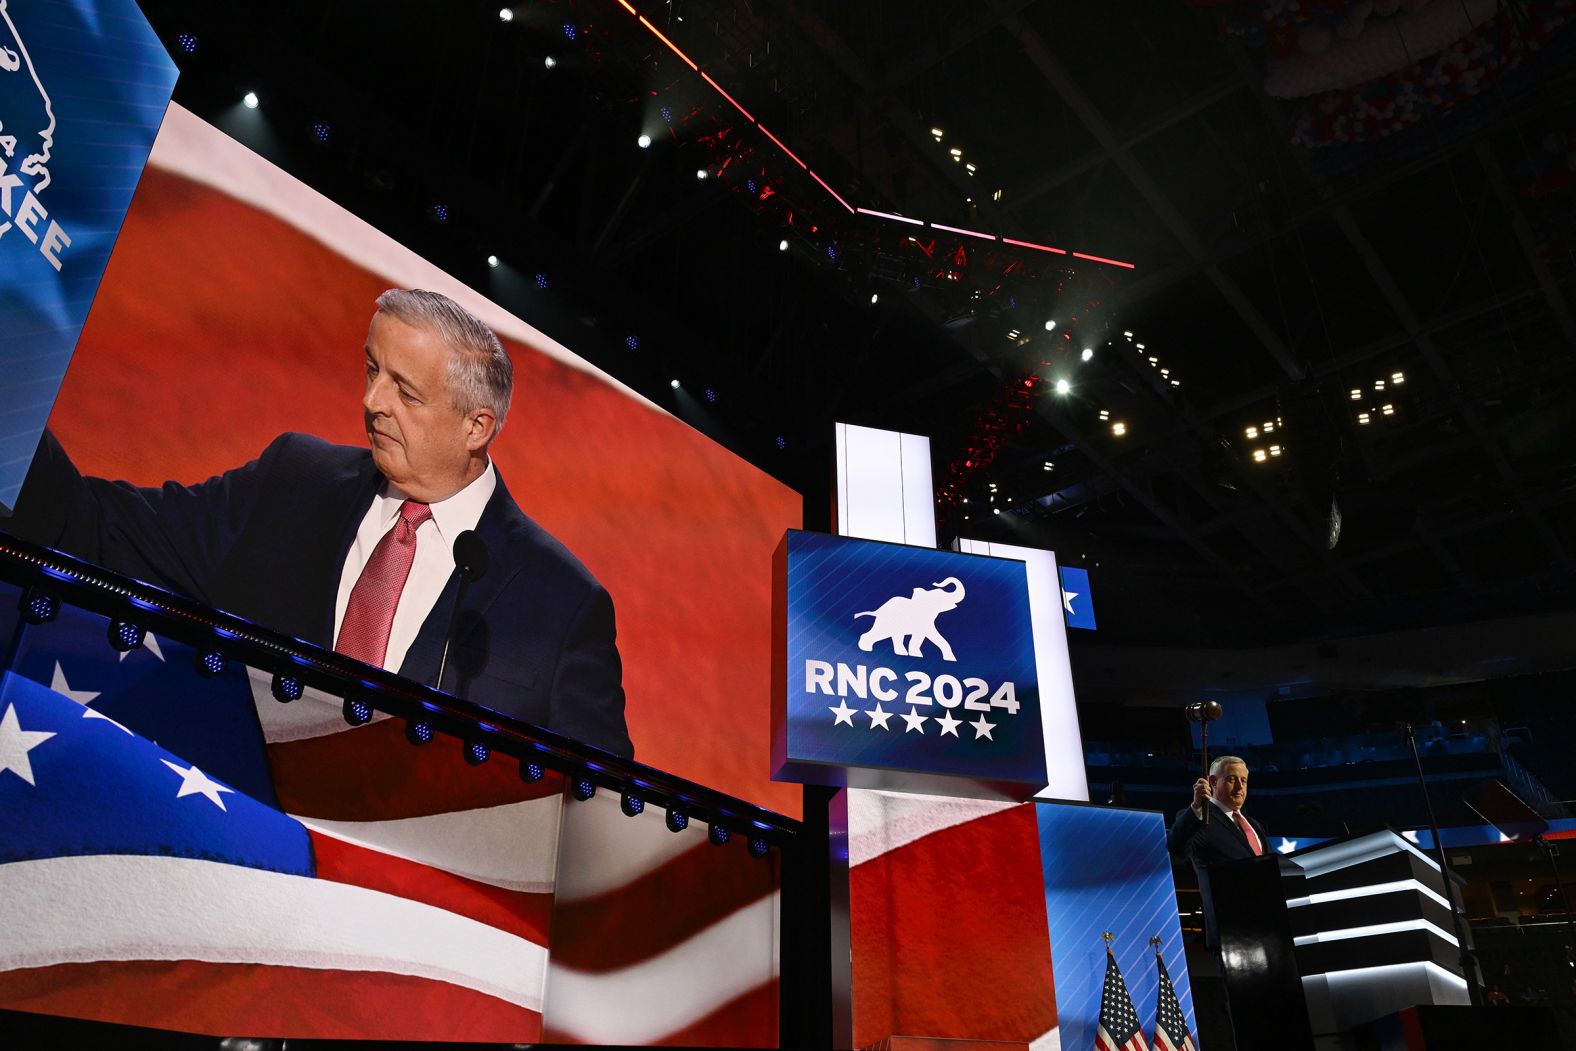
1229, 836
353, 547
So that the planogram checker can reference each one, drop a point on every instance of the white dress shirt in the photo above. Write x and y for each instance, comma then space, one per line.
434, 562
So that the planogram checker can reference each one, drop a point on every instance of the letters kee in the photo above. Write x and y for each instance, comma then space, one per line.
26, 215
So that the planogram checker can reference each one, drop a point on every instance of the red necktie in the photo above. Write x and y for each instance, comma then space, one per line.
364, 633
1242, 823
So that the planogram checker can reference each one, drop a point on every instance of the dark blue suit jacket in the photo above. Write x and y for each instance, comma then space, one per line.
1220, 842
267, 541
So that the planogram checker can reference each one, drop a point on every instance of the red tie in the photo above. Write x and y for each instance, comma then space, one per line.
364, 634
1242, 822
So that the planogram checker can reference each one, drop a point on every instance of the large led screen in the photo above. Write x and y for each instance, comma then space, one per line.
235, 309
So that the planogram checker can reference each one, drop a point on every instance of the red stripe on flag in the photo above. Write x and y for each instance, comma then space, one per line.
660, 909
949, 935
351, 776
264, 1001
522, 914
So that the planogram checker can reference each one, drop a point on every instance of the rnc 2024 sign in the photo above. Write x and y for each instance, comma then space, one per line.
895, 659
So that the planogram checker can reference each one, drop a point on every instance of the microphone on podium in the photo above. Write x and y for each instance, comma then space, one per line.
470, 563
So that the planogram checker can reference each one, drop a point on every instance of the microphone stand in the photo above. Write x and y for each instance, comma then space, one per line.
448, 634
1468, 960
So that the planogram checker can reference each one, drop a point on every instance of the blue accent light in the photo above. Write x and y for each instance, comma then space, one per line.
286, 688
667, 115
749, 184
125, 636
320, 132
441, 212
39, 607
583, 788
357, 711
632, 342
569, 31
678, 820
759, 847
477, 752
831, 252
718, 834
209, 663
711, 396
782, 443
541, 282
418, 732
530, 772
187, 42
631, 804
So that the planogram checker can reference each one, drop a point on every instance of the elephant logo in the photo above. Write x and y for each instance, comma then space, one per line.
910, 620
27, 117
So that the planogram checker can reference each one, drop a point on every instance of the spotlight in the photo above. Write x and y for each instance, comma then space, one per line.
667, 114
209, 663
1118, 428
937, 133
995, 510
718, 834
875, 297
1251, 432
782, 443
39, 607
1088, 353
1127, 334
541, 282
1050, 326
956, 152
1259, 456
549, 62
492, 261
320, 132
1387, 409
1062, 386
1378, 384
569, 31
187, 42
677, 819
782, 246
674, 384
631, 804
1357, 395
440, 212
758, 846
357, 712
125, 636
644, 142
1398, 378
711, 396
249, 100
418, 731
477, 752
702, 174
287, 688
632, 342
1049, 466
506, 14
583, 788
1275, 450
530, 771
1362, 417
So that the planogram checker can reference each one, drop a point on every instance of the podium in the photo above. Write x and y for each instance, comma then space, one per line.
1258, 954
1372, 930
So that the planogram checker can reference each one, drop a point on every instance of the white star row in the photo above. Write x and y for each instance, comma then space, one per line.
916, 722
16, 743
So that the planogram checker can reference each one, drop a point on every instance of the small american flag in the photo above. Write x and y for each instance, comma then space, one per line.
1171, 1032
1119, 1029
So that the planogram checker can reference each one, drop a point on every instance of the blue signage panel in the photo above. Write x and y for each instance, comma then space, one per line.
83, 88
1108, 870
897, 658
1077, 600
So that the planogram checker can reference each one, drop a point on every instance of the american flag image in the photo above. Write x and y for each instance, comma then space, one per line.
1170, 1027
277, 872
1119, 1029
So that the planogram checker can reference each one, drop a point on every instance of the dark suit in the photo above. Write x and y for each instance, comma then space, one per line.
267, 541
1220, 842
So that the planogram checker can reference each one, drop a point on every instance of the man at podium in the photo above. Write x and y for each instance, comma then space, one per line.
1229, 835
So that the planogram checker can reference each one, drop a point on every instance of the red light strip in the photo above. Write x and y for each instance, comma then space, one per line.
1102, 259
889, 215
831, 191
960, 230
687, 60
730, 98
780, 146
1031, 244
626, 5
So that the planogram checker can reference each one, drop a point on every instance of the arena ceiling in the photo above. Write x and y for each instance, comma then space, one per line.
1282, 237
